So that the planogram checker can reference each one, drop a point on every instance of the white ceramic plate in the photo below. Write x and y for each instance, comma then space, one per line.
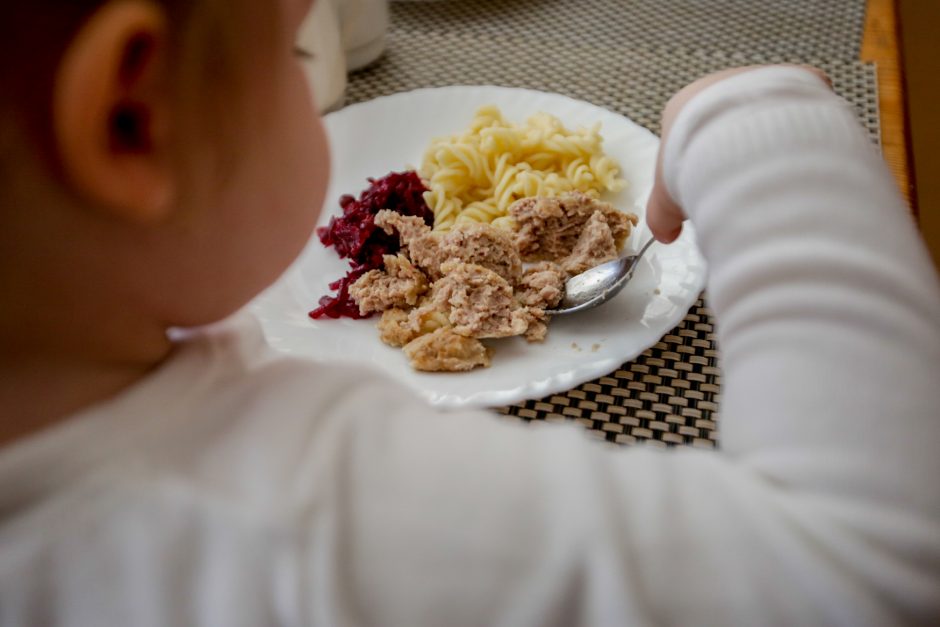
373, 138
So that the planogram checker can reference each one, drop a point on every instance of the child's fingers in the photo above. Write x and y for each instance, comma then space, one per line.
663, 215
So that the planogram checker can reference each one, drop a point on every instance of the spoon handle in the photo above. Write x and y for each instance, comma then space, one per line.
648, 243
634, 260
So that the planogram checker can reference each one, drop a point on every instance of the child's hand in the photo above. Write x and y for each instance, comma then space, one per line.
663, 215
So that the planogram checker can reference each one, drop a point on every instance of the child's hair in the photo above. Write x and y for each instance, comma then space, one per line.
207, 40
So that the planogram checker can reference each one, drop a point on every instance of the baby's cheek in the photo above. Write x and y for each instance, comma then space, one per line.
312, 156
320, 161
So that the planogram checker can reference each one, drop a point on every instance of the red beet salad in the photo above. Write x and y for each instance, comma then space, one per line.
355, 236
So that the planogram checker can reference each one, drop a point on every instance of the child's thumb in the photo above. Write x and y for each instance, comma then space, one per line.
663, 215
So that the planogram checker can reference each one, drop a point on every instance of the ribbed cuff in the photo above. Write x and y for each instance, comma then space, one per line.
767, 111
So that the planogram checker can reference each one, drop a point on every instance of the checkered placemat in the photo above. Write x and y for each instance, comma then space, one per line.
636, 83
830, 29
629, 57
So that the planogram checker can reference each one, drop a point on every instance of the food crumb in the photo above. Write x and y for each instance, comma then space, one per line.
657, 291
595, 348
574, 346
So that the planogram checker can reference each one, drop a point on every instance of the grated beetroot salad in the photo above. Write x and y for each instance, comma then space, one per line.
355, 236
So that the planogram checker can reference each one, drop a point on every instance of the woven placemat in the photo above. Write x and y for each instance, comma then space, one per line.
829, 29
668, 395
634, 82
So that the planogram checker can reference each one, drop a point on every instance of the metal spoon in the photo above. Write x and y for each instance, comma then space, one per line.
598, 285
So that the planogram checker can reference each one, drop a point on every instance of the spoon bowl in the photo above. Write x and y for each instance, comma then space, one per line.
598, 285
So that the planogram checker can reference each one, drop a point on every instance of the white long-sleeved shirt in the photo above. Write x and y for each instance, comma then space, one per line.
235, 487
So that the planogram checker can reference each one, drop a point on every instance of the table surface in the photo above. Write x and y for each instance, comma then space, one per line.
881, 45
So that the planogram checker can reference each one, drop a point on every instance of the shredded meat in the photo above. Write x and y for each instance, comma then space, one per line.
418, 241
483, 245
549, 228
395, 328
398, 285
446, 291
477, 301
538, 325
409, 228
446, 351
595, 246
542, 286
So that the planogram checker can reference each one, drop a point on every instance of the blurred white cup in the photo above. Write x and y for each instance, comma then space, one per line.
363, 24
320, 37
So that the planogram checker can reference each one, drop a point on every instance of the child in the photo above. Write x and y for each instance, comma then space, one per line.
161, 164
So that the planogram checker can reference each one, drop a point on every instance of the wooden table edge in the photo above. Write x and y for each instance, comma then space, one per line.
881, 45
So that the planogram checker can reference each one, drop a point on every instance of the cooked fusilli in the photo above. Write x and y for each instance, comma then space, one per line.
476, 175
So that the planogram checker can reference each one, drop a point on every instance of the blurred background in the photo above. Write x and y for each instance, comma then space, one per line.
919, 27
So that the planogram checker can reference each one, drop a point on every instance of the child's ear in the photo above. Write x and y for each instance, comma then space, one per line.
111, 112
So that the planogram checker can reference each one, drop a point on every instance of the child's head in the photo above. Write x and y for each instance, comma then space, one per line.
158, 158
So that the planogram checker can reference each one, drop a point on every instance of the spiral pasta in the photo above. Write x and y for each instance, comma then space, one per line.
476, 175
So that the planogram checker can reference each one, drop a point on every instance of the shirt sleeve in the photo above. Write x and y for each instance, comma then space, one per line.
820, 507
827, 304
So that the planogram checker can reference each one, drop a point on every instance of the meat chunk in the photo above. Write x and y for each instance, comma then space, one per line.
409, 228
549, 228
417, 239
399, 326
478, 288
538, 325
395, 328
398, 285
446, 351
428, 317
484, 245
595, 246
478, 302
481, 244
542, 286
